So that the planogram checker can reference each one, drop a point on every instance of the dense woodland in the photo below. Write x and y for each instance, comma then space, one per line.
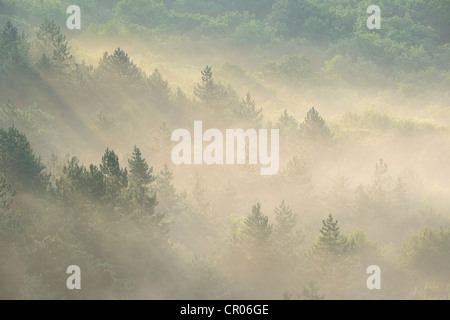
86, 176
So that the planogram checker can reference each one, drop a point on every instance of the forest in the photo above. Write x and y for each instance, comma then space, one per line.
87, 178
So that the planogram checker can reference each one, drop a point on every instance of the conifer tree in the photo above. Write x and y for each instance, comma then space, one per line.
13, 49
118, 69
257, 229
210, 92
54, 48
140, 173
18, 163
330, 239
288, 124
314, 126
247, 110
205, 90
116, 178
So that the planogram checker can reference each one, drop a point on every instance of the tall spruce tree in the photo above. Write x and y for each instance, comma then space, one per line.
314, 126
140, 195
330, 239
118, 69
54, 49
116, 178
13, 50
210, 92
257, 229
247, 110
140, 173
18, 163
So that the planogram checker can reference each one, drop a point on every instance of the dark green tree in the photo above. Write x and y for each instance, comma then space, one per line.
95, 183
18, 163
141, 196
118, 69
208, 91
115, 177
330, 239
140, 173
314, 126
13, 50
80, 187
257, 230
53, 48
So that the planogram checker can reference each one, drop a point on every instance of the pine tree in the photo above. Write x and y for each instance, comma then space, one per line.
13, 49
330, 239
288, 124
61, 53
247, 110
18, 163
140, 195
73, 186
46, 34
140, 173
205, 90
314, 126
257, 229
54, 49
95, 183
118, 69
115, 177
208, 91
